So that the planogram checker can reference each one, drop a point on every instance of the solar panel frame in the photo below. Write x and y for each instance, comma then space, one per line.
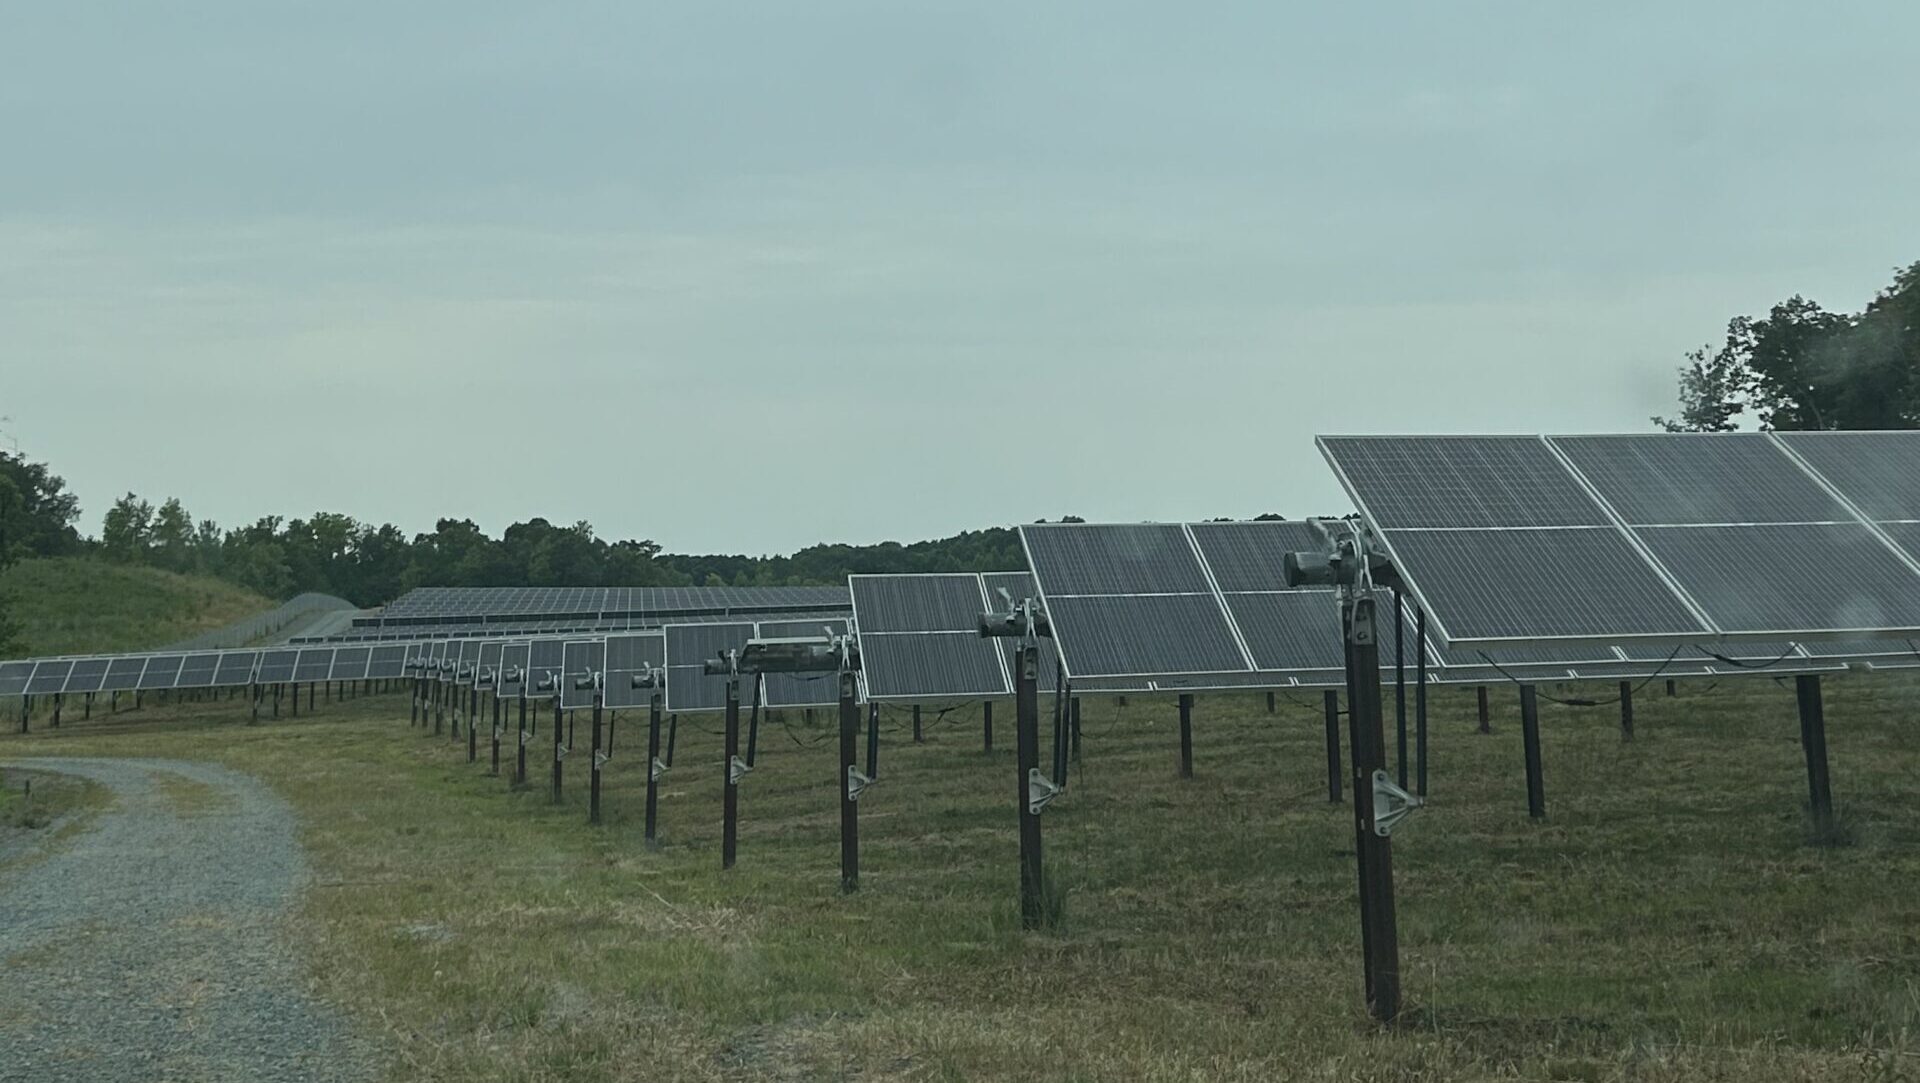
314, 664
919, 637
49, 677
486, 667
387, 661
580, 658
800, 689
235, 668
197, 670
545, 662
513, 668
627, 655
1751, 492
350, 663
122, 676
162, 671
85, 675
688, 646
14, 677
276, 666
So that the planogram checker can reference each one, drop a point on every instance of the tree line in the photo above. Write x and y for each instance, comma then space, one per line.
368, 564
1803, 367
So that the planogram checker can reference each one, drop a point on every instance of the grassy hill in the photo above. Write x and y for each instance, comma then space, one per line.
73, 605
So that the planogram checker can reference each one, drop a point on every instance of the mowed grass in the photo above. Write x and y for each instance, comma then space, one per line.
74, 605
1669, 921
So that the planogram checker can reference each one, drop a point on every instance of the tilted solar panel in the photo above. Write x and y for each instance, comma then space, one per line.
123, 675
86, 675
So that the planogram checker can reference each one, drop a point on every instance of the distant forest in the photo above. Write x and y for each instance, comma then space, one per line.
1798, 367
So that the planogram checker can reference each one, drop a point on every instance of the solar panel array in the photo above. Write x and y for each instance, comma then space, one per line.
199, 669
1188, 606
1513, 539
688, 647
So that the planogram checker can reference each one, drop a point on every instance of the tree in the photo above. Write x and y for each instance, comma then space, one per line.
127, 531
172, 537
1803, 367
36, 512
1711, 394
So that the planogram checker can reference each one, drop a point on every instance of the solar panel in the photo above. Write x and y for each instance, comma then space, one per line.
628, 655
276, 667
1200, 604
123, 675
688, 647
486, 671
581, 659
14, 677
86, 675
513, 669
1679, 536
235, 668
544, 659
163, 671
350, 664
800, 689
197, 670
387, 662
49, 677
919, 636
466, 657
313, 664
1878, 472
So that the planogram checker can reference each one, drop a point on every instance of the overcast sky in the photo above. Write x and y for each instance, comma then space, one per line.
747, 277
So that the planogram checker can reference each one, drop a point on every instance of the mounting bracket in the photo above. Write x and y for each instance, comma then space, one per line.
857, 783
737, 769
658, 769
1391, 804
560, 751
600, 758
1041, 791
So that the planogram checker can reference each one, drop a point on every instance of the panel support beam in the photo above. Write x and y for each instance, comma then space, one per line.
1330, 701
1373, 852
1530, 740
1186, 735
1813, 741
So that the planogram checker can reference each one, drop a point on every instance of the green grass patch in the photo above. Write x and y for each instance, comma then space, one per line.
1669, 921
75, 605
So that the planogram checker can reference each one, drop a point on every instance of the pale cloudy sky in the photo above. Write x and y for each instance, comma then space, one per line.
746, 277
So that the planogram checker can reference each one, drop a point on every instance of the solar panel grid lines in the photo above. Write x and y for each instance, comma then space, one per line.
545, 662
313, 665
1436, 482
122, 676
350, 664
235, 668
1245, 628
626, 657
919, 636
49, 677
688, 647
800, 689
386, 662
486, 668
163, 671
513, 668
581, 660
197, 670
14, 677
86, 674
1687, 506
276, 666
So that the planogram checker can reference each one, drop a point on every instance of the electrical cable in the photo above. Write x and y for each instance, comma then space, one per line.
1650, 678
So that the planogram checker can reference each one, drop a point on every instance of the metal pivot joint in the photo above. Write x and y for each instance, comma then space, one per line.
857, 783
1391, 804
1041, 791
737, 769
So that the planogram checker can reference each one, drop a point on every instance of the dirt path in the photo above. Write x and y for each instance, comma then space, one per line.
153, 946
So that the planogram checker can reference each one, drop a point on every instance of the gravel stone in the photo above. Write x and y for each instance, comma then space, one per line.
155, 945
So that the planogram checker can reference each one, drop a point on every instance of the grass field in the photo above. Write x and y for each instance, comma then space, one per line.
1668, 921
72, 605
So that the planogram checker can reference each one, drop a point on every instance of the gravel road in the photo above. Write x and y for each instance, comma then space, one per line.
154, 946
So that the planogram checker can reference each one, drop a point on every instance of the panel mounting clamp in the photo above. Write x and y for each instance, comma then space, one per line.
659, 769
1391, 804
1041, 791
737, 769
857, 783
